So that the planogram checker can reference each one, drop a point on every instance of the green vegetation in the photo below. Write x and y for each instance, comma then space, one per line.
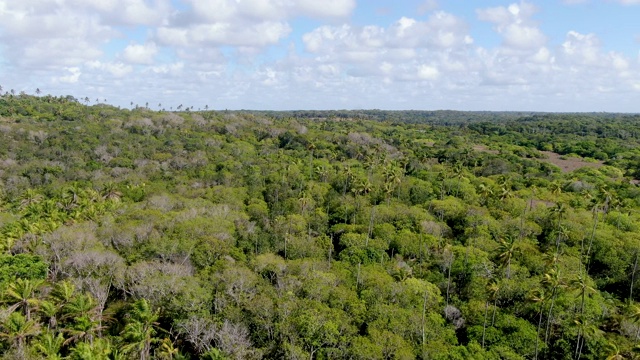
139, 234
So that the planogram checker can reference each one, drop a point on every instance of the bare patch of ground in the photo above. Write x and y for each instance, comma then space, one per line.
484, 149
535, 202
568, 164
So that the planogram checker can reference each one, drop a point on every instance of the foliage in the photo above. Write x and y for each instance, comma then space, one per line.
316, 234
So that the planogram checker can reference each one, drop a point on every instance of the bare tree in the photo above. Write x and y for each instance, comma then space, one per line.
199, 332
234, 340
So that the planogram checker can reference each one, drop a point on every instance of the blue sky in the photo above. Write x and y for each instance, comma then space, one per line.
571, 55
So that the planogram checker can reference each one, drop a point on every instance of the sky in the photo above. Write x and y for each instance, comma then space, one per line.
560, 56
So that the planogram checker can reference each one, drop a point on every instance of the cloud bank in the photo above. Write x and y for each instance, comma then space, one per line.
306, 54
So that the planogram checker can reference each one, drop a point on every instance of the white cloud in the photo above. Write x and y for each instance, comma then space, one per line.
252, 24
71, 78
115, 69
140, 54
43, 34
523, 37
125, 12
440, 31
242, 54
515, 25
326, 8
582, 48
250, 35
427, 72
543, 56
269, 10
172, 69
619, 62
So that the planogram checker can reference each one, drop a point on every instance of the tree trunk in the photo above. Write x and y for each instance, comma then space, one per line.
449, 280
633, 277
538, 332
548, 327
495, 308
593, 235
484, 326
424, 314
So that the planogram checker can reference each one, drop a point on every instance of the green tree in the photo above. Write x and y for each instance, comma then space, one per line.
49, 345
506, 250
140, 329
16, 329
23, 294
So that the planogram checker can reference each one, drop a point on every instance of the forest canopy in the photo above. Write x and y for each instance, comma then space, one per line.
369, 234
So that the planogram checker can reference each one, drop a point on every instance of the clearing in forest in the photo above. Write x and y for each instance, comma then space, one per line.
566, 164
570, 163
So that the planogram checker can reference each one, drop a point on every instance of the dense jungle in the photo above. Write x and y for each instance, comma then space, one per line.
212, 234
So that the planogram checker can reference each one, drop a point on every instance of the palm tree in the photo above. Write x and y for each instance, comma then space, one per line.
633, 276
458, 171
79, 306
17, 329
485, 193
586, 329
22, 294
505, 193
551, 281
538, 297
111, 192
140, 329
533, 189
322, 173
100, 349
29, 197
393, 178
604, 197
558, 211
83, 329
615, 352
556, 188
49, 311
63, 292
484, 325
506, 250
49, 345
595, 209
580, 283
71, 196
305, 201
448, 258
634, 316
492, 290
167, 350
562, 233
363, 187
441, 177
